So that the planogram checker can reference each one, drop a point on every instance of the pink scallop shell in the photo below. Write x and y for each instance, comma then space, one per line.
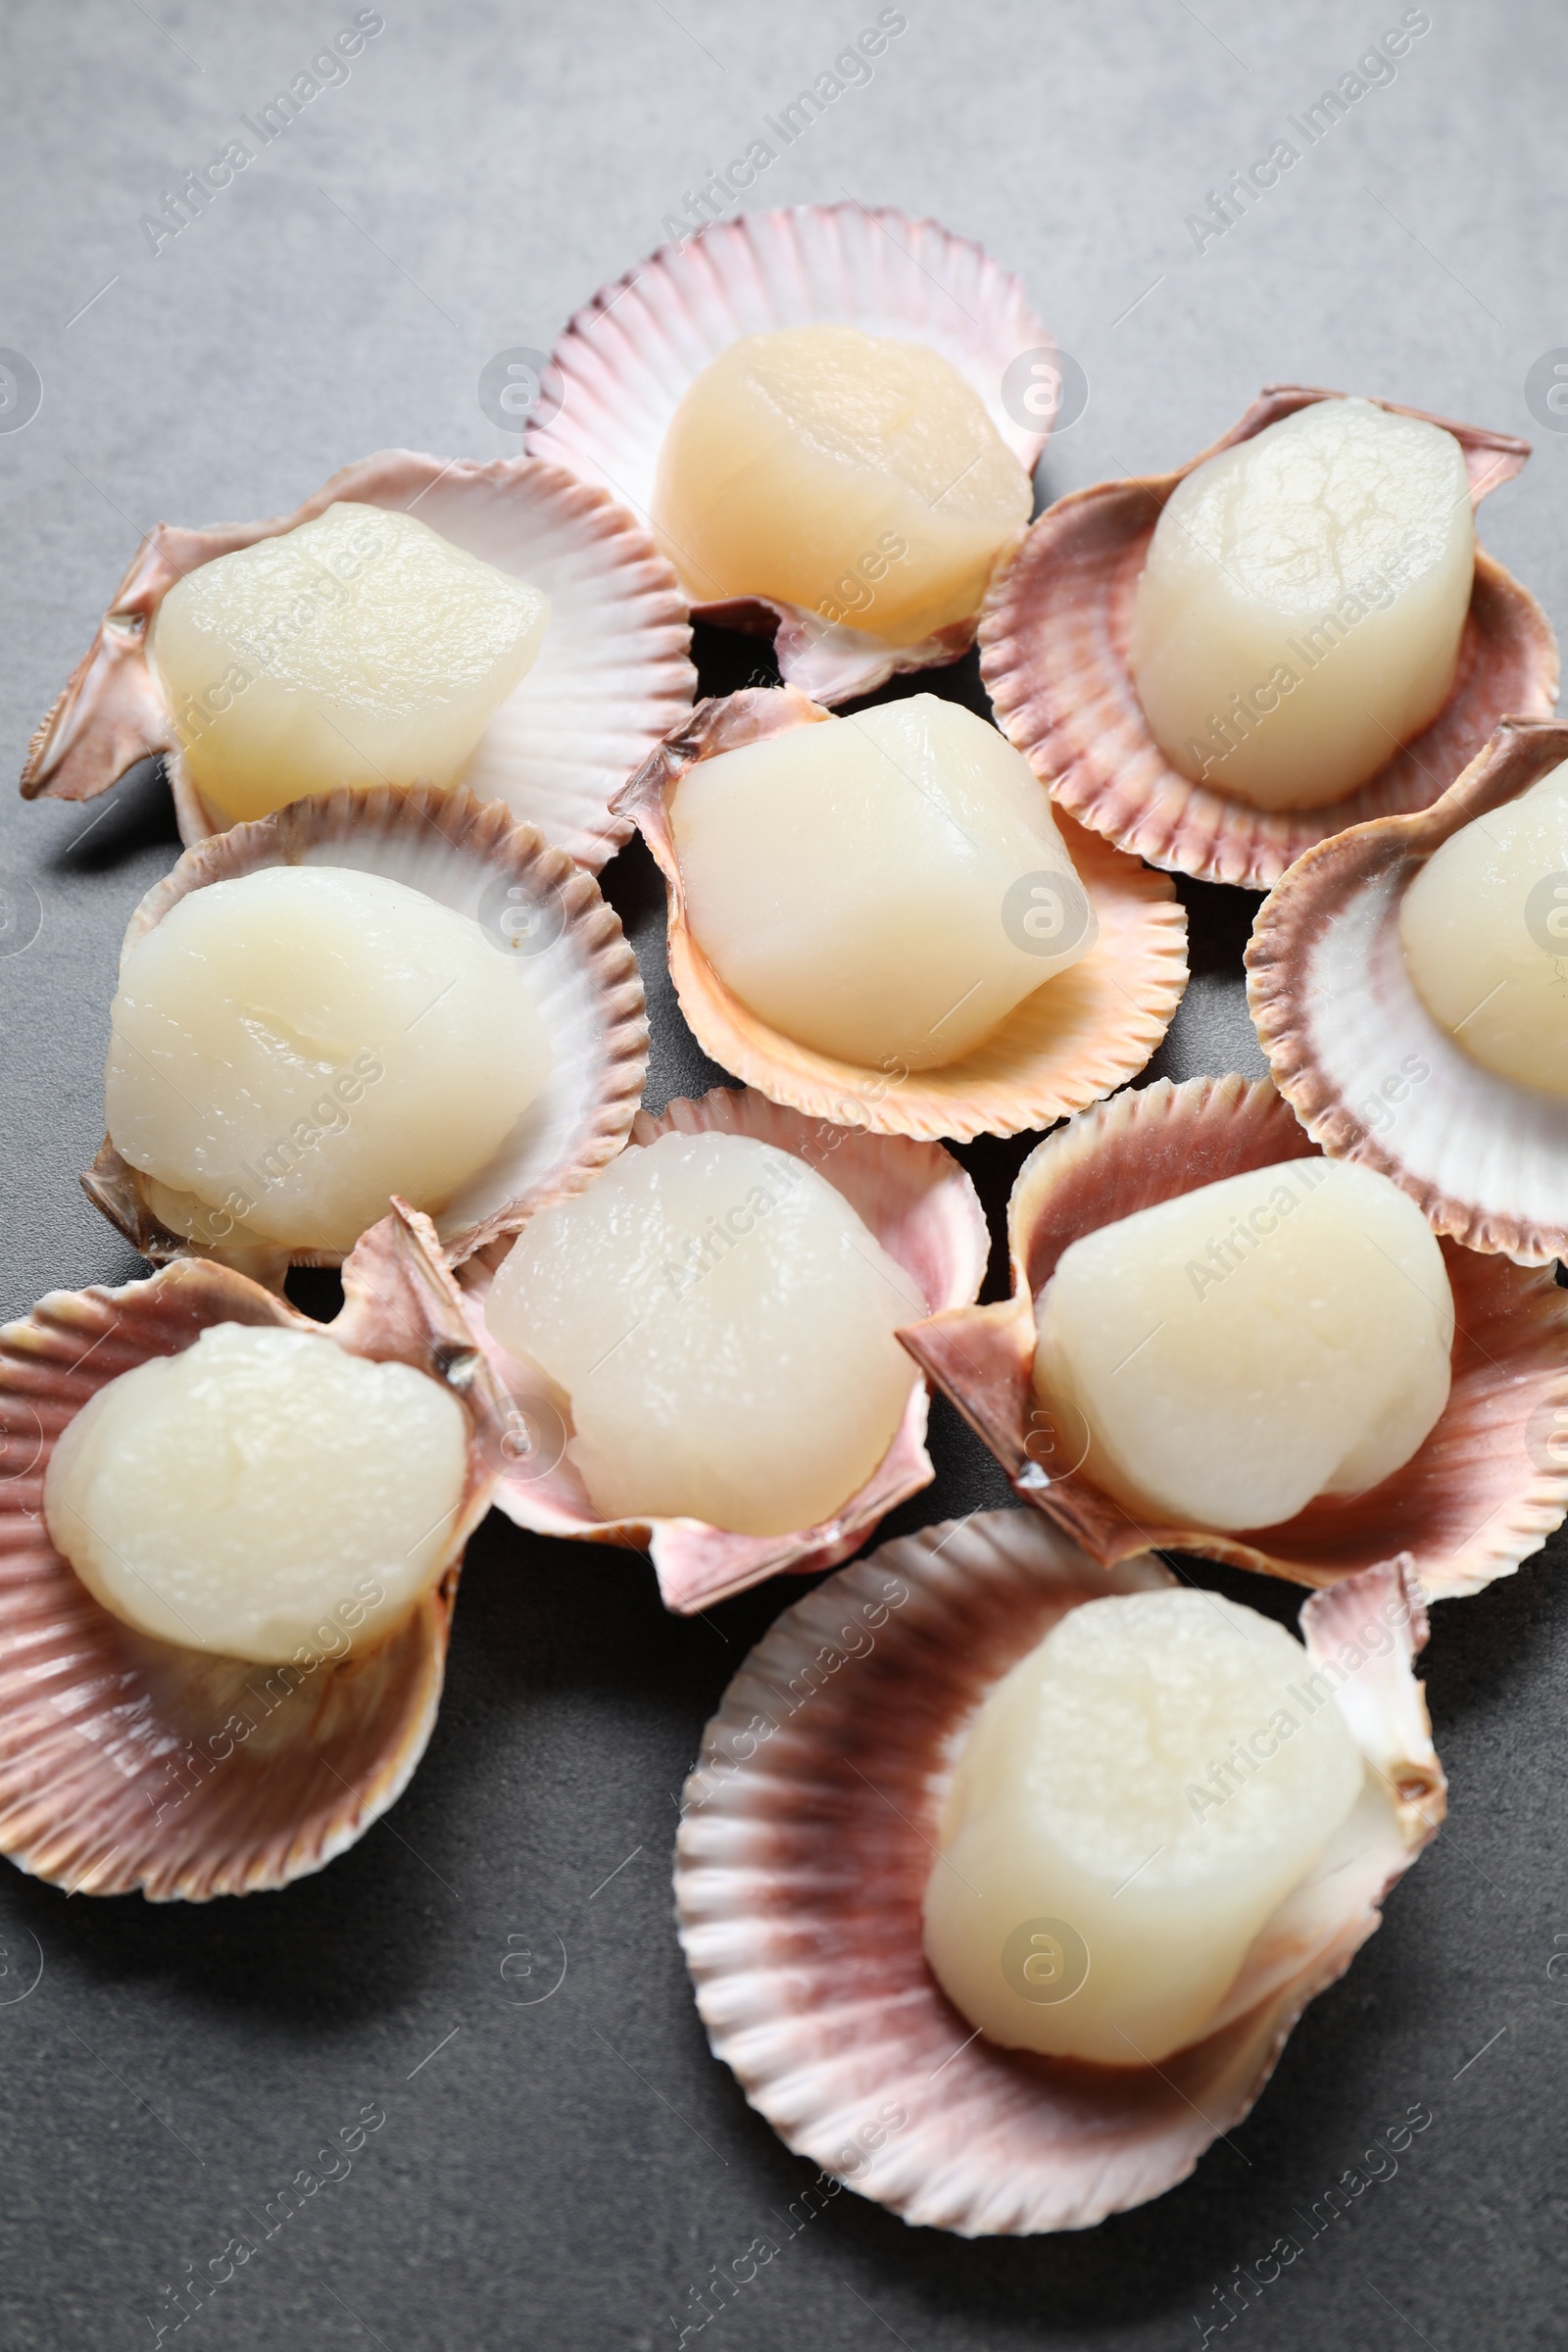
1482, 1491
807, 1834
1341, 1024
1054, 644
101, 1726
585, 987
1087, 1031
629, 356
923, 1209
611, 677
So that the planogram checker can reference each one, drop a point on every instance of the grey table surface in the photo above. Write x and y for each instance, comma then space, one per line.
566, 2173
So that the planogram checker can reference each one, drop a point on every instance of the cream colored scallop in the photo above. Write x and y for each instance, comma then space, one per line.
1245, 1346
857, 477
1485, 931
886, 887
1300, 612
721, 1322
289, 1048
361, 648
264, 1494
1132, 1803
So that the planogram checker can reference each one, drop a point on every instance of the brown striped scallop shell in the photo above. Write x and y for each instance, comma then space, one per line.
1344, 1029
129, 1763
917, 1202
1482, 1491
1054, 643
808, 1832
1086, 1032
472, 856
611, 677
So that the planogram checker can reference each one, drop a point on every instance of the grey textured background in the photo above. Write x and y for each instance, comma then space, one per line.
564, 2173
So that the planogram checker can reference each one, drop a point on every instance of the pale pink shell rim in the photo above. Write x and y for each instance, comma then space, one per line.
97, 1720
486, 834
798, 1881
1023, 1076
1307, 902
918, 1202
111, 712
1123, 787
785, 266
1510, 1362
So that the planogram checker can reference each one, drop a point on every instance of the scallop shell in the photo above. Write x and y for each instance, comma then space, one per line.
611, 677
469, 856
921, 1207
807, 1834
1087, 1031
128, 1762
1482, 1491
629, 356
1055, 655
1342, 1026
